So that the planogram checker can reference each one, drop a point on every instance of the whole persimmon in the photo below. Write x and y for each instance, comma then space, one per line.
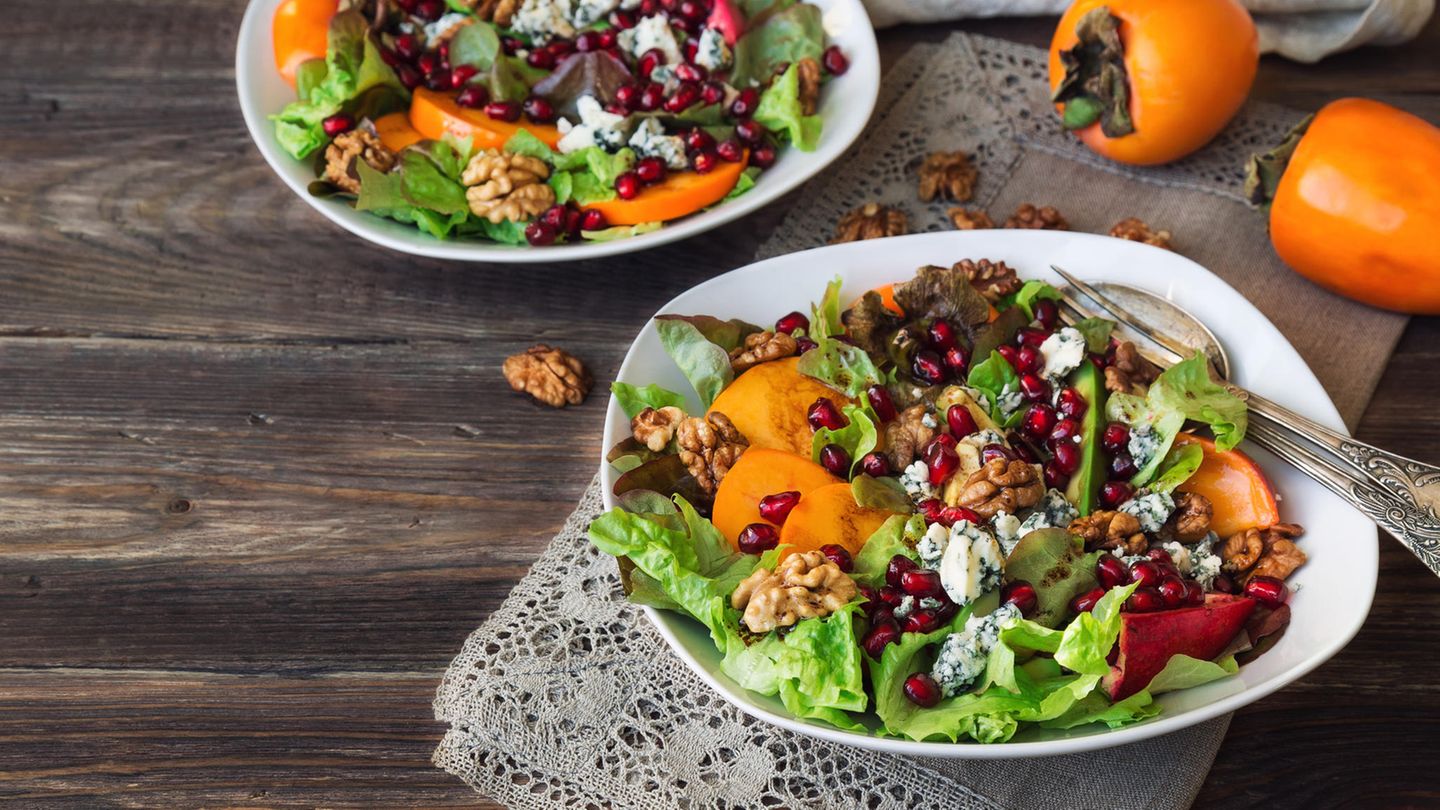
1150, 81
1354, 199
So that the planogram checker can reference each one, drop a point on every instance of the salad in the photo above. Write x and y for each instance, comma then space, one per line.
544, 121
942, 513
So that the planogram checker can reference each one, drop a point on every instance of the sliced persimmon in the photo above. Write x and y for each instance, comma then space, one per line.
395, 131
758, 473
767, 404
300, 31
1236, 486
433, 114
830, 515
680, 193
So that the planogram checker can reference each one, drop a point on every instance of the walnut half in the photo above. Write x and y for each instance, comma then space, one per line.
550, 375
761, 347
1130, 373
709, 446
502, 186
1190, 521
871, 221
655, 427
1110, 529
1269, 552
347, 148
802, 586
948, 175
1002, 485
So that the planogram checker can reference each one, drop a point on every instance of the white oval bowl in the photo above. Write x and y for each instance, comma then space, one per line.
845, 106
1333, 590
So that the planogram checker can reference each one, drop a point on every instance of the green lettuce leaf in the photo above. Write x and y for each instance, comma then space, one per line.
991, 377
1182, 392
476, 45
815, 668
704, 363
425, 185
783, 37
1055, 562
780, 109
880, 493
742, 185
1177, 467
634, 399
885, 543
1096, 332
825, 316
1183, 672
1088, 639
858, 437
841, 366
384, 194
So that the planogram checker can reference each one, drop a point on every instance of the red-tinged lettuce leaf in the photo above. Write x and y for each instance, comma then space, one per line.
594, 73
1265, 628
668, 476
942, 292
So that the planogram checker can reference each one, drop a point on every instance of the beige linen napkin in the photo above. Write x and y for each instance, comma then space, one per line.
567, 697
1304, 30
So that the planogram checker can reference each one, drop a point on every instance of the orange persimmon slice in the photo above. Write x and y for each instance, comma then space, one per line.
680, 193
433, 114
1237, 488
395, 131
758, 473
767, 404
830, 515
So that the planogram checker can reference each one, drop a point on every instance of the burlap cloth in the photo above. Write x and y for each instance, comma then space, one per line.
566, 697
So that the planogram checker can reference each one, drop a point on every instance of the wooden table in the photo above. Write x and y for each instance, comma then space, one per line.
259, 479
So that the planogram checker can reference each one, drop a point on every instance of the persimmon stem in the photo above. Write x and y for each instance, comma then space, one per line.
1096, 86
1263, 173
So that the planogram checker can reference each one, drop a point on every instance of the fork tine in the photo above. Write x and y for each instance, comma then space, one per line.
1178, 350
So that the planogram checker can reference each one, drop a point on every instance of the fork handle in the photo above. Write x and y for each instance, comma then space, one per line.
1401, 494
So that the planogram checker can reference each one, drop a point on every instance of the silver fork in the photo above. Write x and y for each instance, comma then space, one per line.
1400, 494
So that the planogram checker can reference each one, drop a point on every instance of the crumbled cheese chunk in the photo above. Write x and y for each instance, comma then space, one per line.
651, 33
985, 436
928, 420
596, 128
916, 481
1204, 562
589, 12
1007, 530
931, 547
1152, 509
906, 607
963, 656
711, 52
1009, 400
1053, 512
1143, 445
971, 564
444, 28
650, 140
1063, 351
543, 20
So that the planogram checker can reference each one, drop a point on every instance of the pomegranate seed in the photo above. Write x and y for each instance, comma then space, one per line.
1145, 600
712, 93
628, 96
791, 323
1047, 313
650, 170
1268, 591
428, 62
649, 60
881, 403
834, 61
390, 57
951, 515
1223, 584
337, 124
511, 45
957, 360
540, 233
838, 555
648, 8
920, 621
879, 636
941, 335
691, 73
1122, 466
1038, 421
1147, 573
804, 344
691, 10
1029, 360
1085, 602
560, 48
730, 150
429, 10
875, 465
961, 421
1172, 591
921, 582
898, 565
1070, 403
1022, 448
1066, 431
1055, 478
750, 131
942, 462
409, 76
651, 97
627, 185
758, 537
554, 216
1110, 571
1011, 355
1115, 438
461, 75
990, 452
587, 41
503, 111
685, 95
891, 596
775, 508
922, 690
823, 413
408, 47
745, 103
593, 220
834, 458
698, 139
622, 20
608, 39
1030, 336
1099, 361
704, 162
438, 79
1114, 493
881, 614
539, 110
408, 6
1161, 557
541, 58
928, 367
689, 47
1066, 458
1022, 595
1194, 593
932, 509
1033, 388
762, 157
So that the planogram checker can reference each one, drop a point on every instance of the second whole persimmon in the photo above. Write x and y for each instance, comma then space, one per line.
1146, 82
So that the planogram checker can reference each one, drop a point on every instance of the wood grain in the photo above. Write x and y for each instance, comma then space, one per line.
259, 479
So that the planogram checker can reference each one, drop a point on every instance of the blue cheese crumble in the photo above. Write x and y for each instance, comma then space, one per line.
916, 481
650, 140
596, 128
543, 20
1009, 400
1053, 512
1152, 509
931, 547
1007, 530
589, 12
906, 607
1144, 444
711, 52
971, 564
444, 28
1204, 562
650, 33
962, 658
1063, 351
